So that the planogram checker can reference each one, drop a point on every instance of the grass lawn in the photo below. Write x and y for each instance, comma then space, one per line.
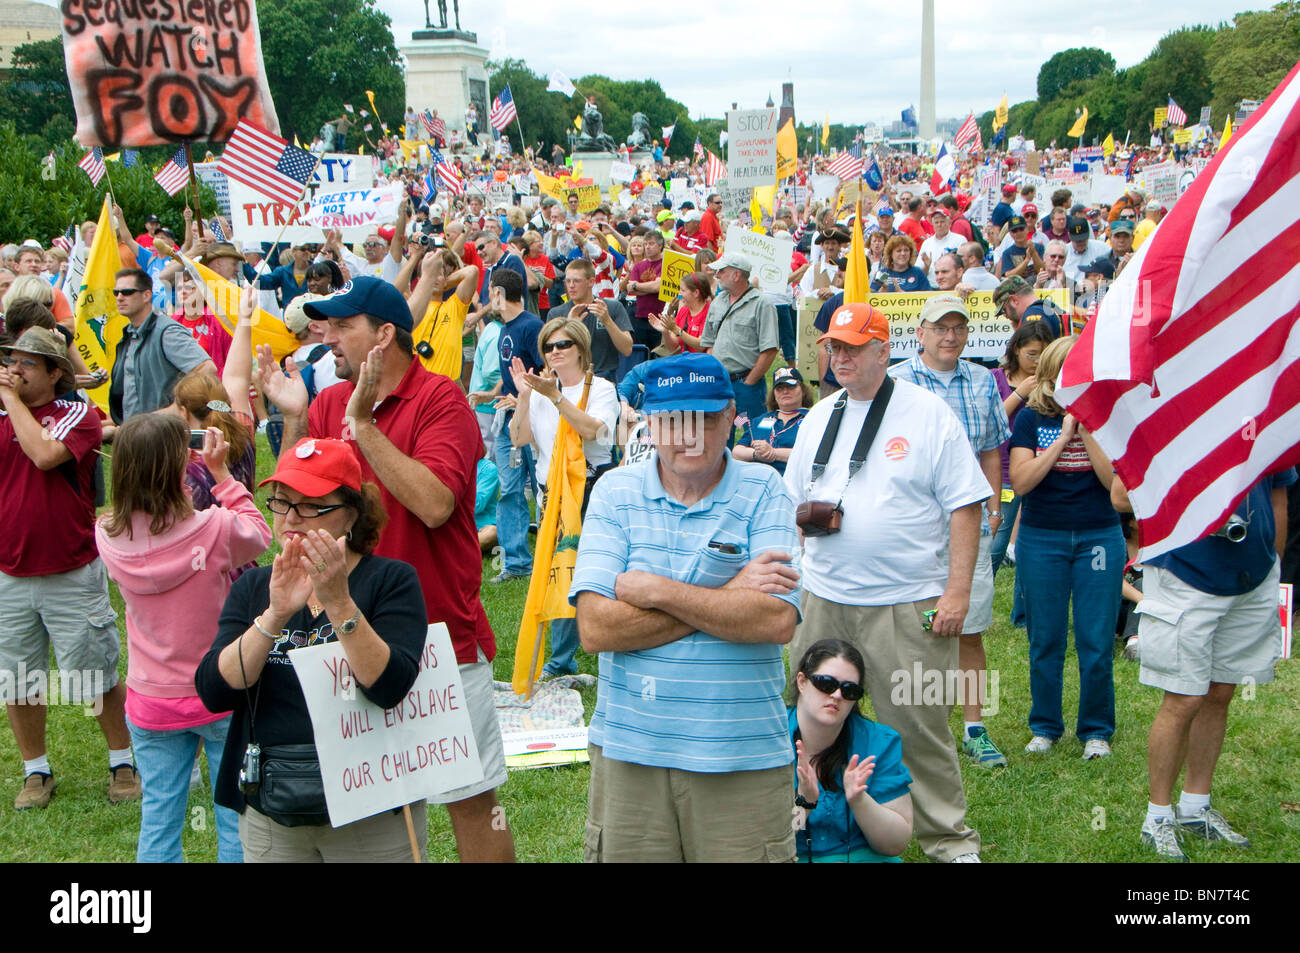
1053, 807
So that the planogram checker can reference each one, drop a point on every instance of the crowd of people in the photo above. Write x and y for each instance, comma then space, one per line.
725, 515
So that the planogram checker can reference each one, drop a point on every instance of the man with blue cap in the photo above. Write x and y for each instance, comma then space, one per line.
684, 587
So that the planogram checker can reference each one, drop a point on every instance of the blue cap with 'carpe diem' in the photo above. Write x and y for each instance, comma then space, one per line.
687, 382
364, 295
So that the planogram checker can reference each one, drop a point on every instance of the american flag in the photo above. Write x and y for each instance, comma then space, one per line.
267, 163
846, 165
218, 232
92, 163
448, 174
430, 188
1188, 377
968, 133
714, 170
503, 110
435, 125
175, 173
697, 150
67, 239
855, 149
1175, 114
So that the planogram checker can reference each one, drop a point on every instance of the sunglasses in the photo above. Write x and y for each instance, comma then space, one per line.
850, 691
550, 346
126, 292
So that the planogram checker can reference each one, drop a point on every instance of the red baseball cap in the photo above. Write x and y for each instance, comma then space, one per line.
1008, 189
317, 466
857, 324
1029, 208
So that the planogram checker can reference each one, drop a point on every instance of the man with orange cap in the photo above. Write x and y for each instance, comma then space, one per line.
889, 480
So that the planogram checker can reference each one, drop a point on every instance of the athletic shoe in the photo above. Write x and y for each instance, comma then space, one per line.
1039, 745
971, 858
982, 750
125, 784
1095, 748
1131, 649
1162, 834
507, 576
37, 790
1212, 825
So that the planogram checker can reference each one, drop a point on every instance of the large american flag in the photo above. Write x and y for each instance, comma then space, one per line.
435, 125
448, 175
503, 110
267, 163
175, 173
969, 134
92, 163
1189, 377
846, 165
1174, 113
714, 170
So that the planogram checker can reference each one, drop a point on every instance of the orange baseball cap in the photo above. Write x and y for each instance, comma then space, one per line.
857, 324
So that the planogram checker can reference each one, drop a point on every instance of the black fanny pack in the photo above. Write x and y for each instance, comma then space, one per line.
292, 791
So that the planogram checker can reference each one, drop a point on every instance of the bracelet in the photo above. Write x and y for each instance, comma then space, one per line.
257, 624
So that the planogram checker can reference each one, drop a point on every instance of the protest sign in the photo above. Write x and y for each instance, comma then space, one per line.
751, 147
500, 193
824, 187
355, 208
374, 759
734, 201
1033, 163
770, 256
217, 181
988, 333
652, 195
676, 266
149, 74
1107, 188
588, 197
1161, 115
680, 192
1037, 181
622, 172
256, 217
807, 335
1162, 182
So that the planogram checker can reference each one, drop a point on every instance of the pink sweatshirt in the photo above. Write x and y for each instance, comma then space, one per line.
175, 585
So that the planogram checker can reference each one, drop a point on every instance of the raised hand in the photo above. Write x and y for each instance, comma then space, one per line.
285, 387
856, 775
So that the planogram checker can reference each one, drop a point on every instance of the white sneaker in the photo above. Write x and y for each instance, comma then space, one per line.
1131, 649
1096, 748
1163, 836
971, 858
1039, 745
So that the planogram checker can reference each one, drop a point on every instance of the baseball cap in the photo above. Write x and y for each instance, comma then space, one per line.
295, 318
364, 295
1012, 286
1008, 189
1154, 206
732, 260
1121, 225
253, 248
1102, 266
1029, 208
1016, 221
1078, 228
150, 218
941, 304
857, 323
885, 211
787, 376
693, 216
687, 382
940, 210
663, 216
317, 466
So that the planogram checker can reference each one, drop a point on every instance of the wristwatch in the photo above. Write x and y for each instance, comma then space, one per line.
347, 628
801, 801
558, 398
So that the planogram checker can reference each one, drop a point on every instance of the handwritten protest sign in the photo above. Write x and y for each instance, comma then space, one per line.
677, 265
217, 181
680, 192
1162, 182
355, 208
622, 172
734, 201
652, 195
374, 759
256, 217
588, 197
988, 333
500, 193
824, 187
145, 74
751, 147
770, 256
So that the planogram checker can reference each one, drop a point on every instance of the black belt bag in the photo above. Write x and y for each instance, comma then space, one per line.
292, 791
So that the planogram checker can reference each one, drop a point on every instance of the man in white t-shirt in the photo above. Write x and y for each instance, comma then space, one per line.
872, 582
942, 241
383, 256
1083, 250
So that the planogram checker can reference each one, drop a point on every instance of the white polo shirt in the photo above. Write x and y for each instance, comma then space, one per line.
895, 529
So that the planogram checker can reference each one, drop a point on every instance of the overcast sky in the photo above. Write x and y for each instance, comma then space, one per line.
739, 50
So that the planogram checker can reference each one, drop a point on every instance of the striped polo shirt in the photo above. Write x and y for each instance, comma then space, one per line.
699, 703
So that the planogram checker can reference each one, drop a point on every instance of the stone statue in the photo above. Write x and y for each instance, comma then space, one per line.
594, 137
640, 138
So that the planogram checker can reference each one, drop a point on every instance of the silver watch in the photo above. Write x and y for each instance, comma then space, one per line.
347, 628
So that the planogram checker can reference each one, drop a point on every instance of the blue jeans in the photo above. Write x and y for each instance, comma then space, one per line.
564, 645
750, 401
1003, 539
1054, 565
164, 760
512, 508
785, 331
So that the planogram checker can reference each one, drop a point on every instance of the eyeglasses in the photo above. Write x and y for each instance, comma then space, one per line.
126, 292
30, 363
851, 691
943, 330
373, 244
305, 511
550, 346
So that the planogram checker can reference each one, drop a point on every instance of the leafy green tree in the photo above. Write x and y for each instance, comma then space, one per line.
35, 96
1180, 67
1070, 66
1249, 60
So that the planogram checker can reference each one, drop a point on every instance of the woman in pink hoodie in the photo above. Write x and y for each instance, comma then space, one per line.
173, 566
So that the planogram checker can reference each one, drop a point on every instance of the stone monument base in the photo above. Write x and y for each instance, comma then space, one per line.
445, 72
595, 166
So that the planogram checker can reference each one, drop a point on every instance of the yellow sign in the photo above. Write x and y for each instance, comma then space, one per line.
588, 197
988, 332
677, 265
787, 147
1162, 114
1183, 137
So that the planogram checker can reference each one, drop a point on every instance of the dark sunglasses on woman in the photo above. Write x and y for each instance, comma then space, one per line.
851, 691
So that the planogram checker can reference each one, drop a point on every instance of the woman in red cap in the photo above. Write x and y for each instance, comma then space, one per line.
324, 586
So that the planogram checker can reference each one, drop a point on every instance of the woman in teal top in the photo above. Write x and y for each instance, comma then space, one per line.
770, 438
851, 784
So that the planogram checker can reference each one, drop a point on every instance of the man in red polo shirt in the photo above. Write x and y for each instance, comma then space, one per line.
710, 226
418, 440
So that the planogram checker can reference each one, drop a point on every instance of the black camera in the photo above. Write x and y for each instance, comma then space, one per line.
196, 439
424, 349
250, 771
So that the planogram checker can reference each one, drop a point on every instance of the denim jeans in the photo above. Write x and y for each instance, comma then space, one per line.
750, 401
564, 645
1054, 565
785, 331
1003, 539
512, 508
164, 760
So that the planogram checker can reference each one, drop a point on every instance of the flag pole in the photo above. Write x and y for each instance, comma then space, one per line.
410, 832
194, 182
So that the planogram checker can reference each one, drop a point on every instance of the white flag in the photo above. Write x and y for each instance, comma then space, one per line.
561, 84
668, 134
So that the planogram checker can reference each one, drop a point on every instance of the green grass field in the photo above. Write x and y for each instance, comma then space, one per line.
1045, 808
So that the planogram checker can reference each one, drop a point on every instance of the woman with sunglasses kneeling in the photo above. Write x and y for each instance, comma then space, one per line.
851, 785
324, 586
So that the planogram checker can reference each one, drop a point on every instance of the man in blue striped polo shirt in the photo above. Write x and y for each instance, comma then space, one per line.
684, 587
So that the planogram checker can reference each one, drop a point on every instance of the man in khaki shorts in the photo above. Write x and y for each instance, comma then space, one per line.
683, 586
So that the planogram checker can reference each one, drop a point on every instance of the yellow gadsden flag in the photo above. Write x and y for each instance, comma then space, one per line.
787, 148
556, 553
223, 299
1227, 132
857, 276
1000, 114
99, 325
1108, 146
1077, 128
826, 131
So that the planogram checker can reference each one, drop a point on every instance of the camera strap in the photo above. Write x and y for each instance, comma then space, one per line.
866, 436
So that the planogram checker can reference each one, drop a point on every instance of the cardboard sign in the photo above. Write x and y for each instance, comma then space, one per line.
500, 193
257, 217
622, 172
217, 181
355, 208
152, 74
652, 195
374, 759
751, 147
1162, 181
677, 265
807, 335
1033, 163
770, 256
734, 201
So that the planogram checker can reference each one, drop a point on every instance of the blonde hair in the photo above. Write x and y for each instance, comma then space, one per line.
575, 329
194, 392
1042, 398
29, 288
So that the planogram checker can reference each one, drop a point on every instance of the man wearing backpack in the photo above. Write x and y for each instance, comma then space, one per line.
314, 359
